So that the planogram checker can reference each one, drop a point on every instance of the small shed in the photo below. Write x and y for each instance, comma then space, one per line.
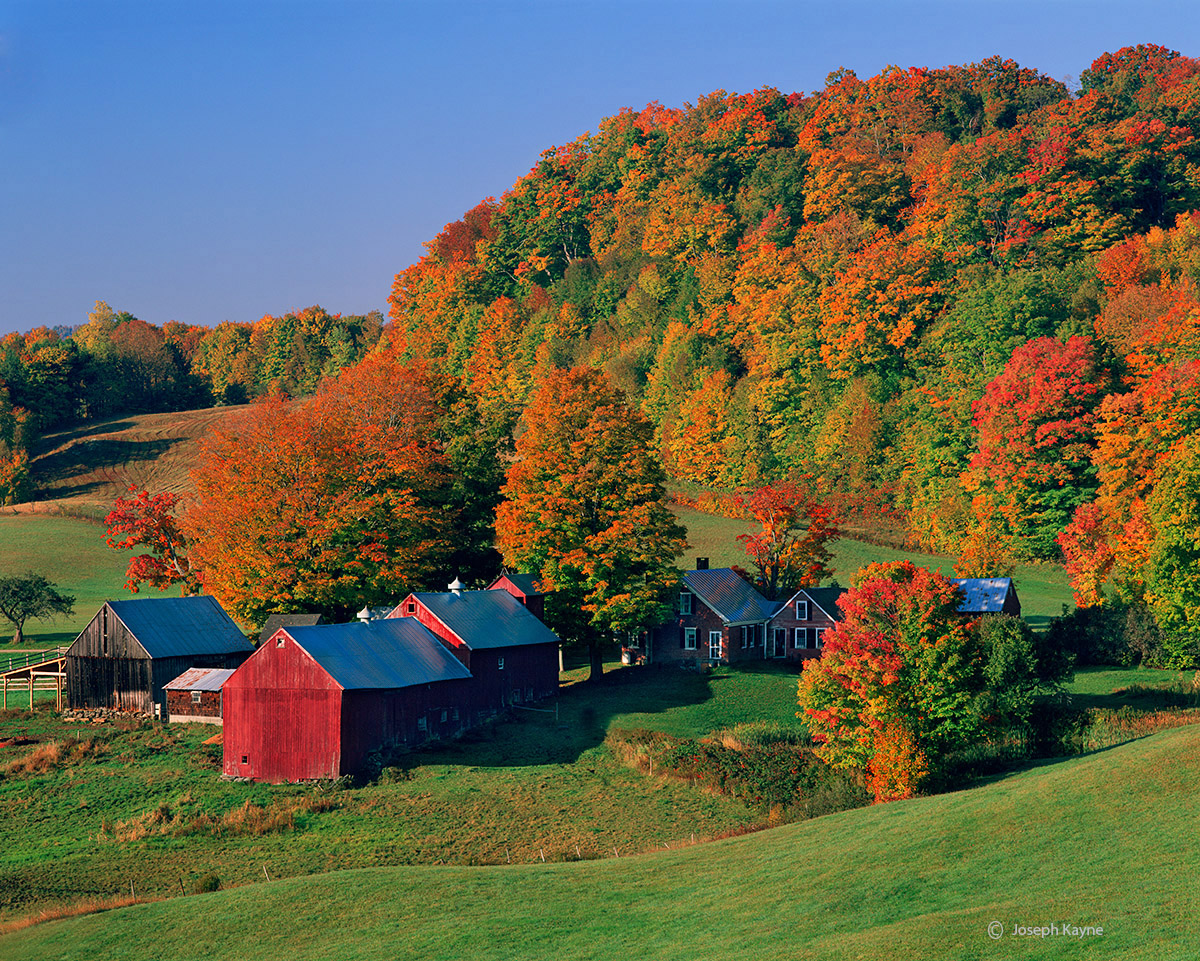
275, 621
315, 702
131, 649
524, 587
987, 595
196, 695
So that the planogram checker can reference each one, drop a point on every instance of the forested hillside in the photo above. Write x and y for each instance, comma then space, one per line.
964, 297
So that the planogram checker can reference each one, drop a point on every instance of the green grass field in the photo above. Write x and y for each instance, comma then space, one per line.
71, 553
1105, 840
1044, 588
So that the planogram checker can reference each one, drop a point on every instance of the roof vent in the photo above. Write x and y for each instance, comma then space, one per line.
365, 615
457, 586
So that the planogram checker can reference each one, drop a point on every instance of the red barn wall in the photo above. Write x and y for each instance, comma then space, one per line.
282, 717
375, 720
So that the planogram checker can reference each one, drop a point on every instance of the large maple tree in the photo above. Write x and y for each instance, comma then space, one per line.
585, 511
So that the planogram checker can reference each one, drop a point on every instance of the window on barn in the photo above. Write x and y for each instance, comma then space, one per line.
422, 724
454, 714
802, 637
445, 716
689, 638
685, 602
411, 607
802, 610
195, 697
281, 642
499, 664
245, 758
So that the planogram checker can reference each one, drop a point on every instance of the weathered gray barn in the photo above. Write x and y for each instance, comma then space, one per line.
131, 649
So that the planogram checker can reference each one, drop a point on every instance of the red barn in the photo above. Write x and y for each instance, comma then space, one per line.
315, 702
511, 654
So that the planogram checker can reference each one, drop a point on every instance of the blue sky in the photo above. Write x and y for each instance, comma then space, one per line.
215, 161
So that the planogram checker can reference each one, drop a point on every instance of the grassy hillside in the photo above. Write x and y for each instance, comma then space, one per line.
1104, 840
70, 552
1044, 588
81, 471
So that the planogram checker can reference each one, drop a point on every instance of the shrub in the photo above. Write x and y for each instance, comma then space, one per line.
206, 884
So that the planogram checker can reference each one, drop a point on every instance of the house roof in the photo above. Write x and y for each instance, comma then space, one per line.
379, 655
983, 595
487, 619
181, 626
525, 583
200, 679
728, 594
276, 621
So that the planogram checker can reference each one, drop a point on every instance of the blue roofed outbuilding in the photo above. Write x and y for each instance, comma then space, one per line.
987, 595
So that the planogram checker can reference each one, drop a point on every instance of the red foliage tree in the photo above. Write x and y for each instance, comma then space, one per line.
792, 549
149, 520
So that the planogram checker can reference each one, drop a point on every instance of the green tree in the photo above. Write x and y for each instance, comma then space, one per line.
23, 596
586, 512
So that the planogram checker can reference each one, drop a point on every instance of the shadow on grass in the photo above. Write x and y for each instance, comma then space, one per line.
565, 728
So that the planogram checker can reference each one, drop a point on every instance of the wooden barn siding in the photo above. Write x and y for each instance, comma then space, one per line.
376, 720
530, 674
283, 714
119, 683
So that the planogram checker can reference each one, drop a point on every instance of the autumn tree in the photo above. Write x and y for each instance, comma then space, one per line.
585, 511
330, 503
150, 521
894, 690
23, 596
792, 548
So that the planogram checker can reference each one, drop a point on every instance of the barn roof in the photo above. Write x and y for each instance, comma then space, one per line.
181, 626
276, 621
379, 655
487, 619
525, 583
728, 594
200, 679
983, 595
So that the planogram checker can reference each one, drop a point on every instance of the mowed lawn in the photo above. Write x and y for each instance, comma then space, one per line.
1104, 842
73, 554
1044, 588
145, 803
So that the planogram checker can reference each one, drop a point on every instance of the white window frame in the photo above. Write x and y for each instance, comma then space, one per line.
745, 635
690, 638
685, 602
714, 643
195, 697
802, 610
801, 638
499, 664
819, 637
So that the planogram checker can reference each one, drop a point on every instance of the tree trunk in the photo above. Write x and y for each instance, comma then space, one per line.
19, 637
596, 658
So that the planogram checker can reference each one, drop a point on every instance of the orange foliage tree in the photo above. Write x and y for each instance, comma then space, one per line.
585, 511
326, 504
792, 548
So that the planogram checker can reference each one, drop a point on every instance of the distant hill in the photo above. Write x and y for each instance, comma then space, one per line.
82, 470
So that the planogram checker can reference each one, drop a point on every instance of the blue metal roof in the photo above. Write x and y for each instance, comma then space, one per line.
379, 655
729, 595
488, 619
181, 626
982, 595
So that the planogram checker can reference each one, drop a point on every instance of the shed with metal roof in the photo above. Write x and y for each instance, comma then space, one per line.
315, 702
987, 595
195, 696
131, 649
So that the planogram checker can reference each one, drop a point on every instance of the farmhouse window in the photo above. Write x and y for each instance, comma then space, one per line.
714, 645
685, 602
802, 610
195, 697
802, 637
819, 636
745, 629
689, 638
